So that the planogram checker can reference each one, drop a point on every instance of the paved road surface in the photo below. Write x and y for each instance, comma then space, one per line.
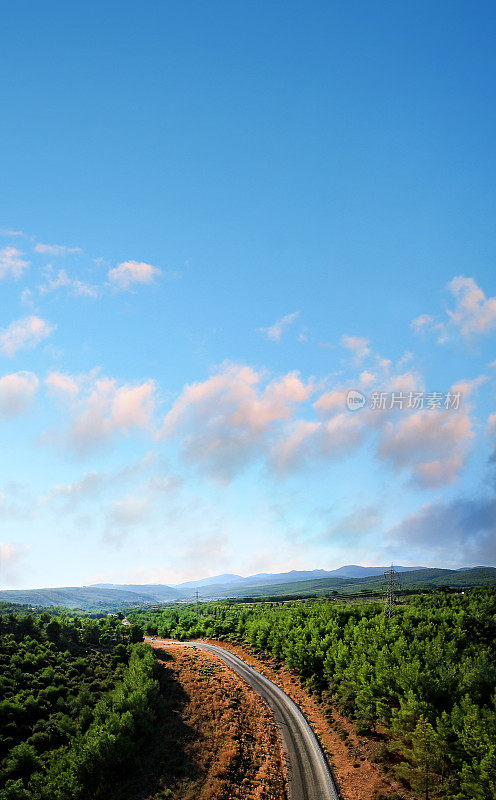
308, 773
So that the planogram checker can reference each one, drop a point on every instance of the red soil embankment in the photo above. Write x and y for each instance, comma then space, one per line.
234, 743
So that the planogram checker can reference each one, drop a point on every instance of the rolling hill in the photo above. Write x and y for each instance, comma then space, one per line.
80, 597
416, 579
345, 580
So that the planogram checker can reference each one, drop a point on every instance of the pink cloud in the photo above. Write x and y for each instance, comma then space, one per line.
129, 273
133, 406
8, 552
274, 403
296, 445
227, 419
367, 379
62, 385
329, 402
432, 444
358, 345
433, 474
11, 262
110, 409
474, 313
309, 442
16, 392
102, 408
24, 333
404, 382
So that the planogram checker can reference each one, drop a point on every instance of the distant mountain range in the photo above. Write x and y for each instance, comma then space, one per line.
347, 579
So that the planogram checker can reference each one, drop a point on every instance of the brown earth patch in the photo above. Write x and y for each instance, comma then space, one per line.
232, 741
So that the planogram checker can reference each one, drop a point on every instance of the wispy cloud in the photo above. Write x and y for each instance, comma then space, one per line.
61, 280
206, 552
405, 359
24, 333
275, 331
27, 297
59, 250
89, 485
425, 323
130, 510
474, 314
12, 263
17, 503
355, 525
132, 273
358, 345
127, 513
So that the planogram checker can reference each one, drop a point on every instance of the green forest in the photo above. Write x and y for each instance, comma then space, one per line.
80, 696
77, 697
423, 682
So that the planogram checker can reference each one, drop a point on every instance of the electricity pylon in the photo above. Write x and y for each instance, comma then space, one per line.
392, 585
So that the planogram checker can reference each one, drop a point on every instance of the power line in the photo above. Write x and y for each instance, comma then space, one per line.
197, 595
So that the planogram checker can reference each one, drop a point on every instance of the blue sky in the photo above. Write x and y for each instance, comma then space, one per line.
216, 220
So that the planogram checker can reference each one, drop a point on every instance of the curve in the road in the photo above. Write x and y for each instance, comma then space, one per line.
309, 776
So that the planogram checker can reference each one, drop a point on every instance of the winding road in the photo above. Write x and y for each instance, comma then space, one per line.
309, 776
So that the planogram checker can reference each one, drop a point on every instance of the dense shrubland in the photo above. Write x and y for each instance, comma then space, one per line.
424, 682
76, 697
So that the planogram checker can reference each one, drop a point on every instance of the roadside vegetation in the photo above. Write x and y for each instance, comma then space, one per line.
422, 684
88, 712
77, 696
